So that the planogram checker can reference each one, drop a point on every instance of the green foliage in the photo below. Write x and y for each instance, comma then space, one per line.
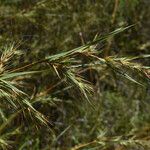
56, 96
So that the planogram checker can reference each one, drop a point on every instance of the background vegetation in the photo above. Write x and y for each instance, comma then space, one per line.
74, 74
